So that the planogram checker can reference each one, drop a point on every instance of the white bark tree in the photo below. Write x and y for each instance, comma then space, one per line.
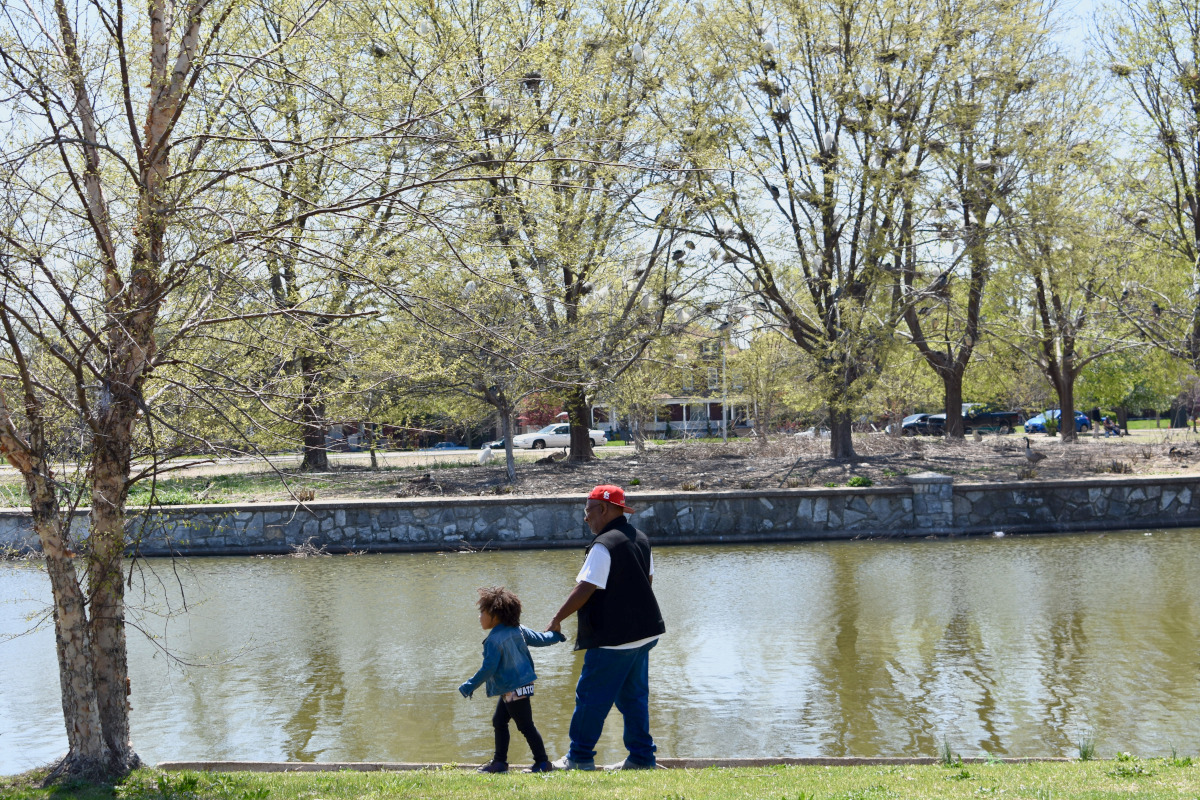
140, 144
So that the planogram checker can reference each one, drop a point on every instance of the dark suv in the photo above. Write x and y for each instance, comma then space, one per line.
925, 424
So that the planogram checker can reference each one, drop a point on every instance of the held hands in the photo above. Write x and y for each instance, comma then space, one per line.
555, 626
466, 690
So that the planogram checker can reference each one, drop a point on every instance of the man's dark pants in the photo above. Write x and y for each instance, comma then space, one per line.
614, 676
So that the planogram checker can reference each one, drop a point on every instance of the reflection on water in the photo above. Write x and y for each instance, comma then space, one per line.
1015, 646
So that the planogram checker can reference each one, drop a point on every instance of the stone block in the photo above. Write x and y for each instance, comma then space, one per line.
526, 528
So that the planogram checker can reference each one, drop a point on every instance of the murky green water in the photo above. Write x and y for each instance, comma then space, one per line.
1014, 646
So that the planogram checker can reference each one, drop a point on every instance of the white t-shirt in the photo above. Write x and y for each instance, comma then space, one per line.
595, 571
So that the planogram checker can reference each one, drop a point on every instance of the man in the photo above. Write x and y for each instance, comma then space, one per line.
619, 622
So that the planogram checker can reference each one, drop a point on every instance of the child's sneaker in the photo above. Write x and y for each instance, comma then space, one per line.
494, 766
541, 766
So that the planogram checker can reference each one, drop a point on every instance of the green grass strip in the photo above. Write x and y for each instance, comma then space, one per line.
1150, 778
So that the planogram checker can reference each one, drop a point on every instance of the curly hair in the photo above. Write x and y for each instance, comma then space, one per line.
502, 604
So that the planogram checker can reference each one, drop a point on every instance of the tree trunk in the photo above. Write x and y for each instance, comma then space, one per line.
312, 417
369, 432
106, 587
952, 381
1123, 419
841, 441
1066, 405
581, 439
510, 461
88, 754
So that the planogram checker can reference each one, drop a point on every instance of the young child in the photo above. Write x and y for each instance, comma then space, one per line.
508, 670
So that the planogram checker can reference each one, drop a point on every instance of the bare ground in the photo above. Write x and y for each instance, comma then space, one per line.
781, 462
787, 462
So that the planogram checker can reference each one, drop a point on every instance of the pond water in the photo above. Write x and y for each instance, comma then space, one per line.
1013, 646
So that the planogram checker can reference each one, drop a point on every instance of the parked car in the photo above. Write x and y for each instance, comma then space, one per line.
926, 424
498, 444
1038, 424
448, 446
982, 417
557, 434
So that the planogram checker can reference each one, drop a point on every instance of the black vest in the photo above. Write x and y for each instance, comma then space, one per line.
625, 610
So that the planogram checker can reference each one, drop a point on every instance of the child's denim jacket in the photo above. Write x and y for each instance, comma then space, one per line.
506, 662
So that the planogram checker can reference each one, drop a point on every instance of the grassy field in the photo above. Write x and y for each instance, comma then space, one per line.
1122, 778
1164, 425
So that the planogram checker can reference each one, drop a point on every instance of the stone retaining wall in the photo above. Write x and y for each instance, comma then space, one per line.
929, 504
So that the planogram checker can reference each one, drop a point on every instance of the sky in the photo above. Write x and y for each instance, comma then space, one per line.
1077, 18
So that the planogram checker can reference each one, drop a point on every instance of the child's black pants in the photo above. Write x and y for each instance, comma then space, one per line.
521, 712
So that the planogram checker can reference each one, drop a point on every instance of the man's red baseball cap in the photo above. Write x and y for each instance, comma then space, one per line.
610, 494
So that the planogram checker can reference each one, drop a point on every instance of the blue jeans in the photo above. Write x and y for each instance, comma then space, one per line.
613, 676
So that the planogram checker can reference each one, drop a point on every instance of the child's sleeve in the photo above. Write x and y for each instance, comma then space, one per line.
491, 660
541, 638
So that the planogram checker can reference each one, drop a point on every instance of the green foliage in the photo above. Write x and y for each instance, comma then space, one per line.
1086, 747
860, 481
1127, 765
947, 755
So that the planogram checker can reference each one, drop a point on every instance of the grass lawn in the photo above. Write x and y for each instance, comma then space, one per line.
1131, 777
1164, 425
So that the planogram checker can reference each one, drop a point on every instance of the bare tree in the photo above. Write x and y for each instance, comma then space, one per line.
1153, 48
140, 145
821, 142
1068, 256
576, 212
984, 130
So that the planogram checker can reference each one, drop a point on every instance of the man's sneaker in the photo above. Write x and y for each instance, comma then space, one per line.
494, 766
541, 766
627, 764
566, 762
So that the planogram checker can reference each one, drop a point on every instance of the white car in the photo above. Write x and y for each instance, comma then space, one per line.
555, 435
